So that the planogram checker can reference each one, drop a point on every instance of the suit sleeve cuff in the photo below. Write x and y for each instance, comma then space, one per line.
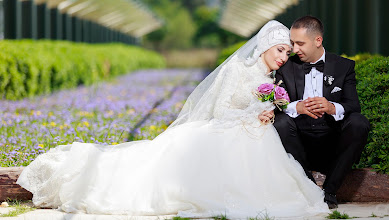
339, 115
291, 109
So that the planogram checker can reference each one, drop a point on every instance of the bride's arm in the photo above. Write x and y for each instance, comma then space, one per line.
230, 83
224, 110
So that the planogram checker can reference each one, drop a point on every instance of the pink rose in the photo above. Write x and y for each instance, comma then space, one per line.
266, 88
280, 93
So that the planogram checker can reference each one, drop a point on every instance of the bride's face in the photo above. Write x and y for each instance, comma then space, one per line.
276, 56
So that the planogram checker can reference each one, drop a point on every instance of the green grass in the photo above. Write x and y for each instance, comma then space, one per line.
220, 217
19, 208
336, 215
373, 215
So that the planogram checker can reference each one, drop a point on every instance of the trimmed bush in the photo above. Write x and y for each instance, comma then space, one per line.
29, 68
373, 91
361, 57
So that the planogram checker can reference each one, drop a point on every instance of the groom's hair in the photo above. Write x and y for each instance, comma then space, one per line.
312, 24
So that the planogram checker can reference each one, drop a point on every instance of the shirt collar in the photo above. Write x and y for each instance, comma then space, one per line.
323, 57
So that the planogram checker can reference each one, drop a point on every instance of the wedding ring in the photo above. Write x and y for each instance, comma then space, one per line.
320, 105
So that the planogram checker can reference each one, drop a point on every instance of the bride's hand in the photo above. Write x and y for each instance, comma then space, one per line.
266, 117
269, 114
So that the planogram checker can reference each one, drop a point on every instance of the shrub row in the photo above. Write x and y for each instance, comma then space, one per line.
373, 91
360, 57
29, 68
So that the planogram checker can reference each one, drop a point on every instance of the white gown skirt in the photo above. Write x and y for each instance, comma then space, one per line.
192, 170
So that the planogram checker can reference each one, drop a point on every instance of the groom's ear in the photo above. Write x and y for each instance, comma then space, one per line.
318, 41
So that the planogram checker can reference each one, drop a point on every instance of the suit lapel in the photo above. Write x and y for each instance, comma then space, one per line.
329, 70
299, 80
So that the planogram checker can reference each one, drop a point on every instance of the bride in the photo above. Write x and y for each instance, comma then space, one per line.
216, 158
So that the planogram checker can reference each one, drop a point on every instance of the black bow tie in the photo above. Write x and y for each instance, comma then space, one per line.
319, 66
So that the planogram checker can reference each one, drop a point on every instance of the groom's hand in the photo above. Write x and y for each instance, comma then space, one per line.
320, 105
302, 109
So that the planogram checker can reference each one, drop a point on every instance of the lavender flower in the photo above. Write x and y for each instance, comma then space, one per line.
103, 113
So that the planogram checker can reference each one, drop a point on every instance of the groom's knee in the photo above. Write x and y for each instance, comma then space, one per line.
356, 125
355, 129
285, 125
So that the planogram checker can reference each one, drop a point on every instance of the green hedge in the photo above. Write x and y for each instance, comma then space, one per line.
29, 68
361, 57
373, 91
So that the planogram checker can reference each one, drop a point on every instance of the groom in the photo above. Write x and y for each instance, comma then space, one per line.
322, 127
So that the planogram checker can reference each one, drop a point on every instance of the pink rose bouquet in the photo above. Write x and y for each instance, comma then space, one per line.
273, 93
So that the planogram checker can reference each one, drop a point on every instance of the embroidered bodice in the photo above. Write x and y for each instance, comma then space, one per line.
236, 101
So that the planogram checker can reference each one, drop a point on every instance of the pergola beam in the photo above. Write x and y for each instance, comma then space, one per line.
109, 13
244, 17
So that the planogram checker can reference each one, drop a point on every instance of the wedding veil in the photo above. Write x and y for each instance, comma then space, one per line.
201, 102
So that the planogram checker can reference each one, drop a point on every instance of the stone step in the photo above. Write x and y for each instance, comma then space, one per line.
8, 187
360, 185
364, 185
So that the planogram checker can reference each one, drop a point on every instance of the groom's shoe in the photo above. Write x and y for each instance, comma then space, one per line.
331, 201
332, 205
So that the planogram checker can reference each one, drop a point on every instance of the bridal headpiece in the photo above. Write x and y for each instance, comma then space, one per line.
271, 34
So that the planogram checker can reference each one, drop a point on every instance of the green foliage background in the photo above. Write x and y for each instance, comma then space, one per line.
178, 29
373, 91
29, 68
225, 53
187, 24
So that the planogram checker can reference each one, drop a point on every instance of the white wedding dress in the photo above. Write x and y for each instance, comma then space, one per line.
231, 165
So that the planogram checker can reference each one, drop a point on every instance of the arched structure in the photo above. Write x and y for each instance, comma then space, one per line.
78, 20
351, 26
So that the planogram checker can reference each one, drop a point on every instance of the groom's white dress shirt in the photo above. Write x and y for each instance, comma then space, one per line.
314, 88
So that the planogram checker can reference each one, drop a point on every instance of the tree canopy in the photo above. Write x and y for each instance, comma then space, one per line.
187, 24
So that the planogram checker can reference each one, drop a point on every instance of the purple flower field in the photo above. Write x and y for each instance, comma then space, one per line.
105, 113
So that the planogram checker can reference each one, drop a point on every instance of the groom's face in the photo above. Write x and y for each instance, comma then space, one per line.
304, 45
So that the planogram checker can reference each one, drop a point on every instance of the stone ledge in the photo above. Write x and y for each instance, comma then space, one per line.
360, 185
9, 188
364, 185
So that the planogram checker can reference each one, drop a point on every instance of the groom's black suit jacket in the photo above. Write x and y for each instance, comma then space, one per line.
325, 145
341, 69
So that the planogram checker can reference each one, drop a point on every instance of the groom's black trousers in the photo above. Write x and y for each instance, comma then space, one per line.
323, 144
